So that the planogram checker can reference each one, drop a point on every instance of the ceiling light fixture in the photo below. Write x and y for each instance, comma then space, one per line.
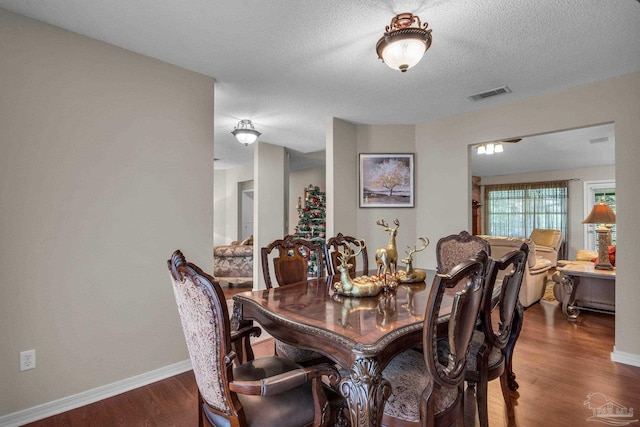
494, 147
403, 46
245, 133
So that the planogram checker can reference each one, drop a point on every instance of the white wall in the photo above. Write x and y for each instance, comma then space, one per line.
106, 169
577, 178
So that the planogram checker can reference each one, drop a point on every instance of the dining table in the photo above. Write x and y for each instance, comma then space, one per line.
361, 334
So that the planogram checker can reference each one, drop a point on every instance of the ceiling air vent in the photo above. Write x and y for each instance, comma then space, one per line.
489, 93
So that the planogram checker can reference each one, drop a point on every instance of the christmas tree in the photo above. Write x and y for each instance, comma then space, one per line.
312, 215
312, 223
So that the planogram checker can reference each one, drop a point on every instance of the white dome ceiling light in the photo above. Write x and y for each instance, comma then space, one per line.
403, 46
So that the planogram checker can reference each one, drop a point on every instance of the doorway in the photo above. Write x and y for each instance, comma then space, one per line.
246, 214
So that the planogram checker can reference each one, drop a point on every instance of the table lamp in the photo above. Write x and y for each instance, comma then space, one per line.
603, 215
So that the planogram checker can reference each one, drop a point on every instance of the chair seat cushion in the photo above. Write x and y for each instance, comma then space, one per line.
408, 376
290, 408
495, 357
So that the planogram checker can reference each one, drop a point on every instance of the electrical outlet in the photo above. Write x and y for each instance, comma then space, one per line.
27, 360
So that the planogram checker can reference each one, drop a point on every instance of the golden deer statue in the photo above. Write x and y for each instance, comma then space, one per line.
414, 275
387, 258
364, 287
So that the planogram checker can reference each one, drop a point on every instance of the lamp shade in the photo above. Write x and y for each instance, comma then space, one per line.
600, 214
245, 133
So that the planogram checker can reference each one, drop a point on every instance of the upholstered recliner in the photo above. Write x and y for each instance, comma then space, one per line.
535, 274
548, 243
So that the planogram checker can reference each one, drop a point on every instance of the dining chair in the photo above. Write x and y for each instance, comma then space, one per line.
341, 243
455, 248
264, 392
428, 386
290, 258
492, 344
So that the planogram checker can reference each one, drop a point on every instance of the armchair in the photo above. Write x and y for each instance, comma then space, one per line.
548, 243
269, 391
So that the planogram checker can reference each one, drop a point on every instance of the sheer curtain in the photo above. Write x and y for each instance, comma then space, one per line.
514, 210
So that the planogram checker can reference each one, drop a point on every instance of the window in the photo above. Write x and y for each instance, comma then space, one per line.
514, 210
594, 191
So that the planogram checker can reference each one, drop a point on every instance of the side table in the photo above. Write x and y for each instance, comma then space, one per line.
583, 287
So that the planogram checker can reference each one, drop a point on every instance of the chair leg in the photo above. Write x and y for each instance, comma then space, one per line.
506, 394
481, 398
470, 404
518, 319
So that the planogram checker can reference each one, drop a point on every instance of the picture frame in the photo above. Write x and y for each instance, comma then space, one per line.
386, 180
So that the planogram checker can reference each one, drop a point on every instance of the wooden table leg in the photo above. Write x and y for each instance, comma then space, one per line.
366, 392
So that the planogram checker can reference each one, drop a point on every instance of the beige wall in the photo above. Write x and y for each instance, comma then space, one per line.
270, 201
577, 177
342, 177
390, 139
442, 146
106, 168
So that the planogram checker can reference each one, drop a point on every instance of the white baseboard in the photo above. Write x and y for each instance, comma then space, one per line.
626, 358
90, 396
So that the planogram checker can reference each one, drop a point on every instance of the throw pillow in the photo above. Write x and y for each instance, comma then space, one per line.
612, 256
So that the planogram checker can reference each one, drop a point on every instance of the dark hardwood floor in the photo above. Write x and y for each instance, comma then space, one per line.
558, 365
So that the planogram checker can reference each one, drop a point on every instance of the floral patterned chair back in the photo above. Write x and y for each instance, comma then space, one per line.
456, 248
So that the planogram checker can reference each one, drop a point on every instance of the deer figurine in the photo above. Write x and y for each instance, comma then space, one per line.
414, 275
387, 258
351, 287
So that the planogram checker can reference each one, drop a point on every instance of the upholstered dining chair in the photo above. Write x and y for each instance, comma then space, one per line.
290, 257
265, 392
428, 386
341, 243
290, 260
492, 344
455, 248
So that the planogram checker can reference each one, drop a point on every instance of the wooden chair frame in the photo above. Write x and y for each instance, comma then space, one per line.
291, 263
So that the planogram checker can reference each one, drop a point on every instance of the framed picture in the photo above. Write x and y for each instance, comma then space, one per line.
386, 181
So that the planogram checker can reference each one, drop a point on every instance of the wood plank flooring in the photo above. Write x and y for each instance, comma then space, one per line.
557, 363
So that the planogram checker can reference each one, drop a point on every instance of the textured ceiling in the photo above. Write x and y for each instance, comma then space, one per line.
289, 66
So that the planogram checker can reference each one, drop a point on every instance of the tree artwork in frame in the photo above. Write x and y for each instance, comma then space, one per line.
386, 181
